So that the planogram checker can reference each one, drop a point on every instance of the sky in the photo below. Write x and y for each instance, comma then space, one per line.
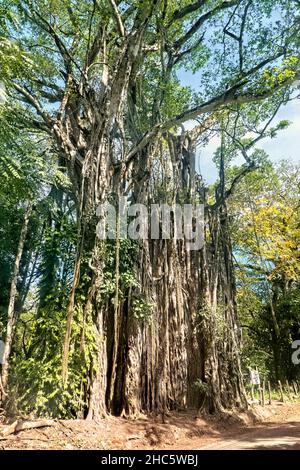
286, 146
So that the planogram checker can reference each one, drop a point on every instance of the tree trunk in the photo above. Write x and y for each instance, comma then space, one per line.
12, 298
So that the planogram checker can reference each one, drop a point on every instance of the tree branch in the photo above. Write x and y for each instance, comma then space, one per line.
189, 50
46, 26
225, 99
33, 101
117, 17
197, 25
179, 14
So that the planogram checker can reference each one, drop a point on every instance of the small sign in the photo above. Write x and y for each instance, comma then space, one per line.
254, 377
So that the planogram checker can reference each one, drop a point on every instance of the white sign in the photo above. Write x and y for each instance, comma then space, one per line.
1, 351
254, 377
2, 93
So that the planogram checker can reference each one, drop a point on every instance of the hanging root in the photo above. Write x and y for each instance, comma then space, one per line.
2, 391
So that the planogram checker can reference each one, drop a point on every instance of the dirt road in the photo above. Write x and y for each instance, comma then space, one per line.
275, 426
272, 436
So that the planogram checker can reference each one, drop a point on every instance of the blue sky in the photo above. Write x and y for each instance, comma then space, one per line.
286, 146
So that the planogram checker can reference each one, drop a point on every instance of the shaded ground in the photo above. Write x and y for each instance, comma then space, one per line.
272, 427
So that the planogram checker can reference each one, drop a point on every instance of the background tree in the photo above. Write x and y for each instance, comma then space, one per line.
266, 240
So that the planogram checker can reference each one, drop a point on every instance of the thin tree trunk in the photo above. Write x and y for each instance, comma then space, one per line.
70, 315
70, 307
13, 296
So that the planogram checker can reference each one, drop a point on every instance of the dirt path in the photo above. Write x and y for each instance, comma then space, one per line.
272, 436
270, 427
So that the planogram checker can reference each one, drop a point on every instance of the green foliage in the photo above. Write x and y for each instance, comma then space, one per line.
142, 309
13, 61
203, 387
266, 235
36, 384
276, 76
127, 276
